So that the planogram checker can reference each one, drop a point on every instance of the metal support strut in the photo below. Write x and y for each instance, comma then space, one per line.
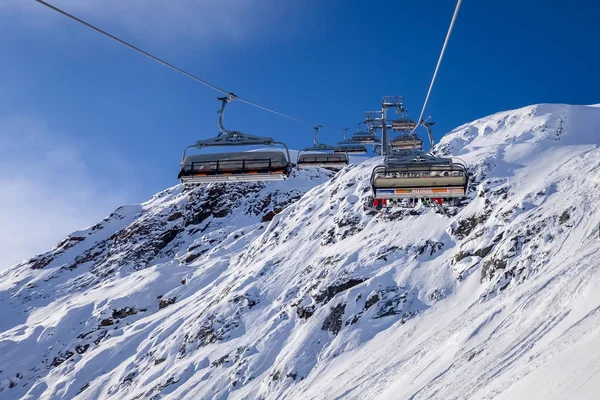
315, 141
428, 126
224, 100
389, 102
384, 134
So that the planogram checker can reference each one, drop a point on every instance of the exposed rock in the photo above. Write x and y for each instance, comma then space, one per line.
84, 387
175, 216
220, 361
80, 349
305, 312
123, 312
564, 217
436, 295
61, 358
489, 267
464, 227
162, 303
332, 290
333, 322
371, 300
431, 247
268, 217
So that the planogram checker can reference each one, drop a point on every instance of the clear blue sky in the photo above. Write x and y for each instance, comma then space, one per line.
323, 61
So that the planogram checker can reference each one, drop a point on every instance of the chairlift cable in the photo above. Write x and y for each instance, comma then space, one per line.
270, 110
438, 63
163, 62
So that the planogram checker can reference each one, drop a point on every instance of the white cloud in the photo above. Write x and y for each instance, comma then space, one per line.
210, 20
46, 189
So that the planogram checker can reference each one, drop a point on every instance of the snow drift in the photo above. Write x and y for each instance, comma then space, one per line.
291, 290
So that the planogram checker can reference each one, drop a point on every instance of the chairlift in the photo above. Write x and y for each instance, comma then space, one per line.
248, 166
365, 137
351, 149
420, 176
409, 174
403, 124
348, 146
322, 155
406, 142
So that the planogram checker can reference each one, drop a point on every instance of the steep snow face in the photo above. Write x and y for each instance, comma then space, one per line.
60, 303
291, 289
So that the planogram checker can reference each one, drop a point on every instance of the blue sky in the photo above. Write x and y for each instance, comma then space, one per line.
94, 125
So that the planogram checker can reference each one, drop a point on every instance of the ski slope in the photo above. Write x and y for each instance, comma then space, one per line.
291, 290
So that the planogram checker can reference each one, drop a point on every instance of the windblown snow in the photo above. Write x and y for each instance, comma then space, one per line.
291, 290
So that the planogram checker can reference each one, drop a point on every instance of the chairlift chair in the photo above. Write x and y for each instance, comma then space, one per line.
420, 176
350, 149
403, 124
348, 146
322, 155
365, 137
231, 167
406, 142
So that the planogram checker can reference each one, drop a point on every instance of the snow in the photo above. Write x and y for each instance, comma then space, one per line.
290, 289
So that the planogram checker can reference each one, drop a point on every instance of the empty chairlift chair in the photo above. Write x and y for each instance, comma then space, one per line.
365, 137
234, 166
350, 147
321, 155
419, 177
403, 124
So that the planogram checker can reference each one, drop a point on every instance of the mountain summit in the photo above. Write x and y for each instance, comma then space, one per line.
291, 289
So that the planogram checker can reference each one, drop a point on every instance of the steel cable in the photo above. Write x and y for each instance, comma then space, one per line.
438, 66
163, 62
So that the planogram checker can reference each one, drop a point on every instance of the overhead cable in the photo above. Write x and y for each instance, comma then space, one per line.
439, 62
163, 62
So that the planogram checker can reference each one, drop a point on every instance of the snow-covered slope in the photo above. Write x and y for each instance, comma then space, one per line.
290, 290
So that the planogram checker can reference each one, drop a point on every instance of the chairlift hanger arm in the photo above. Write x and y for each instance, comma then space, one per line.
185, 152
287, 150
224, 101
232, 138
316, 145
427, 126
315, 141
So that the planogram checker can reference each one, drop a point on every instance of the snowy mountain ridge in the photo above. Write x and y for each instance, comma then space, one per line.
291, 290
